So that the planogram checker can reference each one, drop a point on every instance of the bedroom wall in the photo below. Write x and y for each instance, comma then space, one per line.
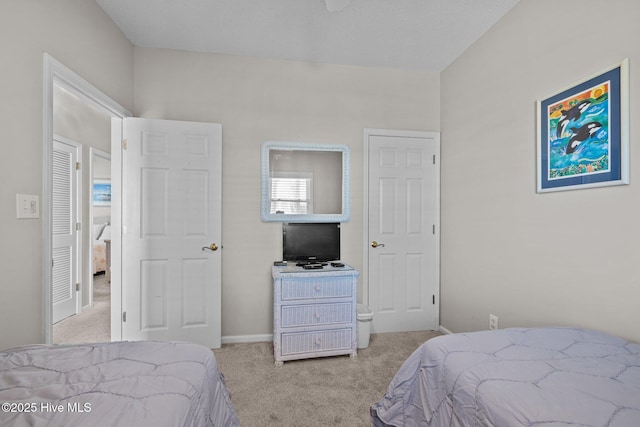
562, 258
258, 100
80, 35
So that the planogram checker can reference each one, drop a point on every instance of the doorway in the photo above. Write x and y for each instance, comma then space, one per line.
201, 279
86, 220
92, 322
99, 217
402, 205
58, 77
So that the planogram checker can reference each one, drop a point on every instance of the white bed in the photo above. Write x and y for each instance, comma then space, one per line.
155, 384
545, 377
101, 232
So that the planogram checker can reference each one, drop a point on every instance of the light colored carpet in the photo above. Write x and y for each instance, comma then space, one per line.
93, 325
332, 391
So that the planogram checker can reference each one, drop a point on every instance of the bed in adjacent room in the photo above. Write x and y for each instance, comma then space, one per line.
101, 232
516, 377
121, 383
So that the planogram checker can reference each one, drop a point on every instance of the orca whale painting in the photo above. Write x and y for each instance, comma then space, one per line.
583, 135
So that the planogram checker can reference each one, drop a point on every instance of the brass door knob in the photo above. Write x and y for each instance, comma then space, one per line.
211, 247
375, 244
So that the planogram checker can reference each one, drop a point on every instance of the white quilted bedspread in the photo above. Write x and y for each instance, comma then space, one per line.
113, 384
547, 377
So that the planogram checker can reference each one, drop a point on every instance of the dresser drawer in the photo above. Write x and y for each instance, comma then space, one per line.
316, 341
316, 314
317, 287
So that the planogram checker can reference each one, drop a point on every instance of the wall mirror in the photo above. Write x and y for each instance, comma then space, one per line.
304, 182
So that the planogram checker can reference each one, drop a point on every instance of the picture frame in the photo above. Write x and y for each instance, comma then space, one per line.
583, 133
101, 192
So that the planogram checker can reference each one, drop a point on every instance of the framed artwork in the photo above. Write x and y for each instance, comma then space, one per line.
583, 133
101, 192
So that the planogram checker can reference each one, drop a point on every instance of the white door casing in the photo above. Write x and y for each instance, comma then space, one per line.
56, 73
65, 220
402, 217
171, 212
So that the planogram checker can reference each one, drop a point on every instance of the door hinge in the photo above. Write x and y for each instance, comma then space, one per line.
433, 300
434, 229
124, 316
434, 159
78, 226
77, 287
124, 144
77, 166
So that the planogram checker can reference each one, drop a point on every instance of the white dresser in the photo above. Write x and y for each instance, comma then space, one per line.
314, 312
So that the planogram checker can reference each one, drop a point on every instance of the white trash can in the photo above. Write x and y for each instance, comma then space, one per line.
365, 316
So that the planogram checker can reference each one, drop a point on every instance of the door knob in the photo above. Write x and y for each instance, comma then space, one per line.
375, 244
211, 247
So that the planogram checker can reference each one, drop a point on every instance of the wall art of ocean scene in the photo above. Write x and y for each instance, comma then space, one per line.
579, 137
101, 193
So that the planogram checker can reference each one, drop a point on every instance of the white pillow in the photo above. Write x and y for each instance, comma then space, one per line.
97, 230
106, 233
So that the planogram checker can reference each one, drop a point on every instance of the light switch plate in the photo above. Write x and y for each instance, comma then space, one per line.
27, 206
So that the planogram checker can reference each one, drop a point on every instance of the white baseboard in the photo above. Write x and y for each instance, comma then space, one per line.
444, 330
239, 339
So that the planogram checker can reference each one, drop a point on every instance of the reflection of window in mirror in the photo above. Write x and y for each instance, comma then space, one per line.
325, 167
304, 182
291, 193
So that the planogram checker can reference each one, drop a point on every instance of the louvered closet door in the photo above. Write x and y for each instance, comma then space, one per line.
64, 235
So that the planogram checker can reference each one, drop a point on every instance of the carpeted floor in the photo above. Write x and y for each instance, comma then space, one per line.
92, 325
332, 391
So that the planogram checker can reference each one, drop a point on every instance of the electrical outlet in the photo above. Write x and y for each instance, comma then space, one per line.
493, 321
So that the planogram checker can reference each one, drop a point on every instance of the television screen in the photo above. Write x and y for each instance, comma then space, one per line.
308, 242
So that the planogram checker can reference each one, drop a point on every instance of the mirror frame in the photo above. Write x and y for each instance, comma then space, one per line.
344, 216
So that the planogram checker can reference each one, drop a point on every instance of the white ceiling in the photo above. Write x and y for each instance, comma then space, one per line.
410, 34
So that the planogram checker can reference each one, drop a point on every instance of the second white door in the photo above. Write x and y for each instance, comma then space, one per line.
403, 236
171, 260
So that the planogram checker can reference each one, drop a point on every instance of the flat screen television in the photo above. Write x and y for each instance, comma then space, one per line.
310, 242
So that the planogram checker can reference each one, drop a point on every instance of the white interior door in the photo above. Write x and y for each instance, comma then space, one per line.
402, 231
171, 182
65, 263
